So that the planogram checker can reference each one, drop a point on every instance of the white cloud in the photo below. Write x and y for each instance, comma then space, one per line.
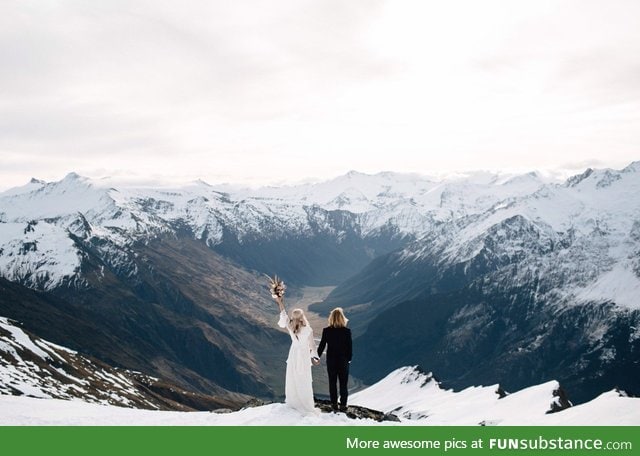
255, 91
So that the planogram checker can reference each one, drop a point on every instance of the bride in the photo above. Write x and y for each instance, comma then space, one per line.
298, 390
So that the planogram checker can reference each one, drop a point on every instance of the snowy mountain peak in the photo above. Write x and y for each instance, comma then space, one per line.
633, 167
575, 180
201, 182
414, 375
73, 176
533, 176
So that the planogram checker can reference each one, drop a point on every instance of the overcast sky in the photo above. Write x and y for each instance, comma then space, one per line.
280, 91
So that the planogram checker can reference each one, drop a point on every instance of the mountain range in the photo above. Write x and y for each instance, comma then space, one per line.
544, 285
482, 277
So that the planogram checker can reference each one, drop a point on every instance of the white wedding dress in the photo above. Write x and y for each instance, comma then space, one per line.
298, 389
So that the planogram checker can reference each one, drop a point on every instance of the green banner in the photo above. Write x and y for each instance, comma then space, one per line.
331, 441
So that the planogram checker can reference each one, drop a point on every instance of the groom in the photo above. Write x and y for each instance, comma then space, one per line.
337, 338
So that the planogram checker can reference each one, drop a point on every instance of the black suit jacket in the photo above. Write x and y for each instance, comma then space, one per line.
338, 343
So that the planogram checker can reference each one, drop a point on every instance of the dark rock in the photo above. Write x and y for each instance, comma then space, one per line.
390, 417
357, 412
621, 393
255, 402
560, 402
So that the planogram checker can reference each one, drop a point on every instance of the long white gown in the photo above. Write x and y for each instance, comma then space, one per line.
298, 389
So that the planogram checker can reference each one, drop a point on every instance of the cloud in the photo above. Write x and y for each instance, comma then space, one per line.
113, 62
212, 88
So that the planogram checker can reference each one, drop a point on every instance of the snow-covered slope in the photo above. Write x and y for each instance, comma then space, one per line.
416, 398
34, 367
40, 254
415, 395
585, 232
37, 368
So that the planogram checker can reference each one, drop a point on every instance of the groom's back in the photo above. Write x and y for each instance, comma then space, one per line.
338, 342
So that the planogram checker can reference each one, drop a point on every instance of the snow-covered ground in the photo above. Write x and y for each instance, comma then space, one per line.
29, 411
414, 396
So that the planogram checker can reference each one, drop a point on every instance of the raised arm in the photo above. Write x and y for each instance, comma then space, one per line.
284, 318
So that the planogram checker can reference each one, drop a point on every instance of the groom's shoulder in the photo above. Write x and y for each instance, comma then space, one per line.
335, 330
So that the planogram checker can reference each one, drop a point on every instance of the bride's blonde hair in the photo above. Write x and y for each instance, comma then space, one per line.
337, 318
298, 320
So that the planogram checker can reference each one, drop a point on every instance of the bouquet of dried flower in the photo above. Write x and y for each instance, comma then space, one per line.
276, 287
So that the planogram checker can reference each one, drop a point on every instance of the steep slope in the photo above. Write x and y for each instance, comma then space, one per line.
478, 335
34, 367
541, 286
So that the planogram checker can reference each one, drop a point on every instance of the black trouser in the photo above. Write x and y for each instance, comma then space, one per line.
338, 372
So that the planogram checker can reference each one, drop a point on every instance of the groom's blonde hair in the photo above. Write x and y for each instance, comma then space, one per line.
337, 318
